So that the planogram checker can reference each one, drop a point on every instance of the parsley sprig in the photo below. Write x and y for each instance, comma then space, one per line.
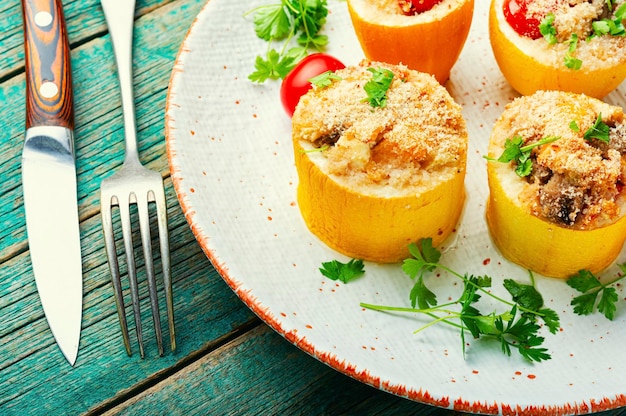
515, 151
300, 19
344, 272
600, 130
377, 87
325, 79
591, 288
547, 29
570, 61
613, 27
515, 328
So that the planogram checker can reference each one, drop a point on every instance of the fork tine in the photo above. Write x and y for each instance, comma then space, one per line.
109, 240
124, 207
144, 227
159, 198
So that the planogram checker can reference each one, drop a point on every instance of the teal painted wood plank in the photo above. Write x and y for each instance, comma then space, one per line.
84, 20
261, 373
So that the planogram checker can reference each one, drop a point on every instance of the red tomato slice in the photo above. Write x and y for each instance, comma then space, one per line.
297, 83
515, 12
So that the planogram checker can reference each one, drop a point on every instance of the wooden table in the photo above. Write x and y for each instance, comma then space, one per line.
227, 361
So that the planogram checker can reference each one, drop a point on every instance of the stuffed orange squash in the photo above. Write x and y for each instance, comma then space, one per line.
380, 152
576, 46
556, 171
425, 35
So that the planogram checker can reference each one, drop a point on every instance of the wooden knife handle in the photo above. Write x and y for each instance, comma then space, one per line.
49, 96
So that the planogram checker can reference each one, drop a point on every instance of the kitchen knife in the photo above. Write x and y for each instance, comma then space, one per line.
49, 172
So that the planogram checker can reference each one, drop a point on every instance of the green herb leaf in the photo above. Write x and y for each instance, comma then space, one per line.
377, 87
271, 22
547, 29
599, 131
590, 286
514, 151
513, 330
422, 296
524, 295
574, 126
424, 259
284, 21
612, 27
345, 272
607, 302
274, 66
325, 79
570, 61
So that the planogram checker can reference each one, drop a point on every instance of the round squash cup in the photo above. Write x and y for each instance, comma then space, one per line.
369, 227
528, 72
535, 243
430, 42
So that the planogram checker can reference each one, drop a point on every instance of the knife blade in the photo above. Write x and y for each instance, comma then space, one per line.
49, 173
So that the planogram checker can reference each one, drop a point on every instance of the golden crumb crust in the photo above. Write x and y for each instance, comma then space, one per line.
575, 182
418, 137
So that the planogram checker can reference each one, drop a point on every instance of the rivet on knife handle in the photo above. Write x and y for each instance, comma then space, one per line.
48, 77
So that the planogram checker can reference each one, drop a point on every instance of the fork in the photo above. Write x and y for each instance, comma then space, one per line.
136, 185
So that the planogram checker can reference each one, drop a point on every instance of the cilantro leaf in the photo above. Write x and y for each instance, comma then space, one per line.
599, 131
345, 272
574, 126
377, 87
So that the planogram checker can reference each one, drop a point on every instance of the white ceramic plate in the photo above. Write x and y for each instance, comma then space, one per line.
232, 165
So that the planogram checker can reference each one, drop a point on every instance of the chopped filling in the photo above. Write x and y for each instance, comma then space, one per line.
575, 181
570, 25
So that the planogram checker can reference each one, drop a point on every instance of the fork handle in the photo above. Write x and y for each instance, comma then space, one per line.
120, 18
49, 100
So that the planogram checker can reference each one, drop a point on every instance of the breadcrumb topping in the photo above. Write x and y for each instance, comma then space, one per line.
417, 139
575, 182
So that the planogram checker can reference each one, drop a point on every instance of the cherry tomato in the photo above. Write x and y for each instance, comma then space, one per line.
515, 13
412, 7
296, 83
